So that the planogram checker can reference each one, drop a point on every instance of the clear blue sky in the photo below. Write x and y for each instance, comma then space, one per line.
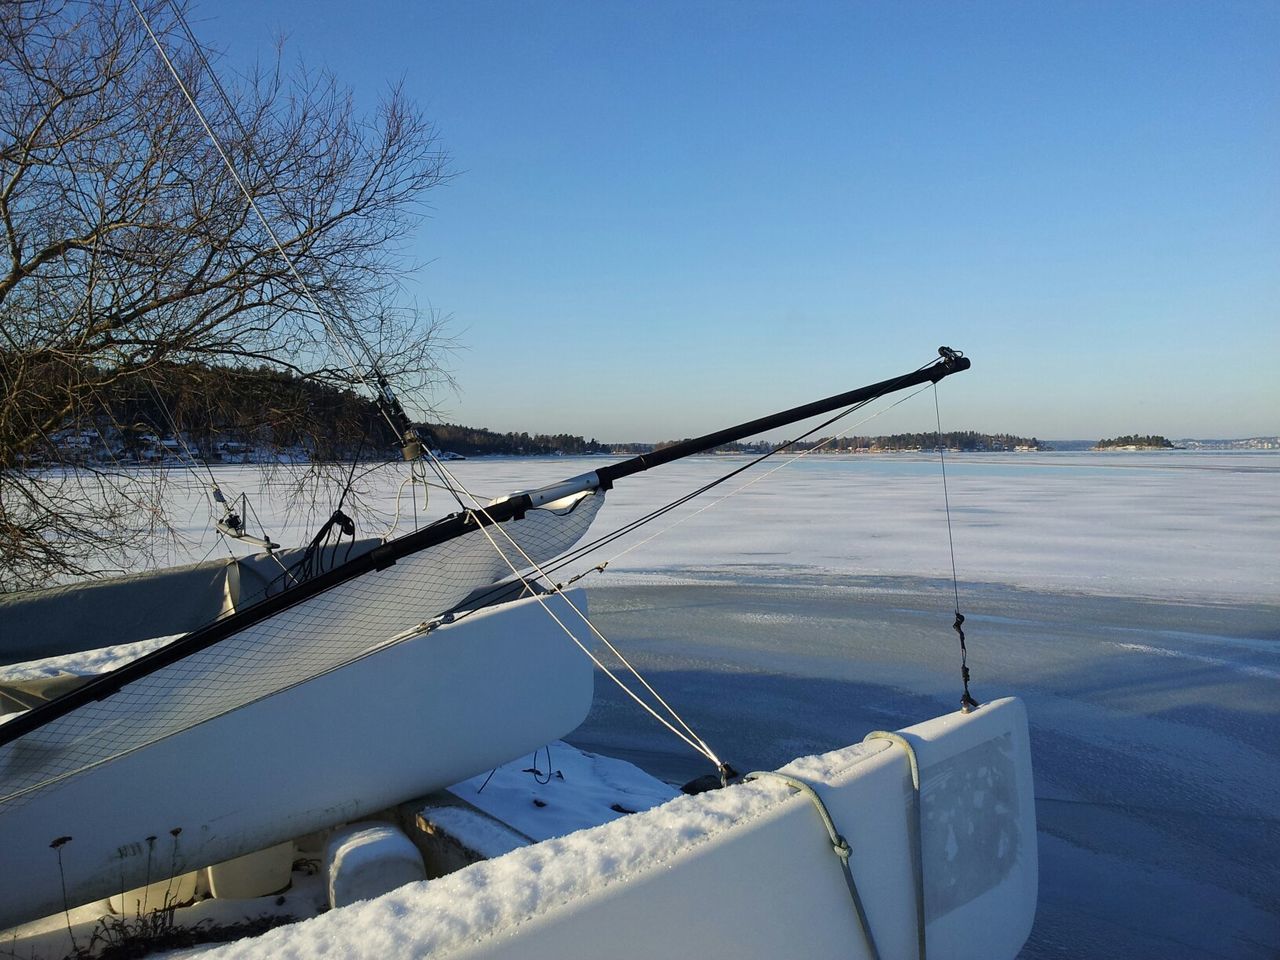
669, 216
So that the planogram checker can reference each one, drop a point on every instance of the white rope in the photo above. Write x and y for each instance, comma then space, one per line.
414, 478
399, 493
696, 743
692, 739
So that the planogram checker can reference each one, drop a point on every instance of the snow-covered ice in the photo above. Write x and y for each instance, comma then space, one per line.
1132, 600
1184, 525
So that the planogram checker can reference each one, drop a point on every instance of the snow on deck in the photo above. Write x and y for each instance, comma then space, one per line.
580, 790
422, 919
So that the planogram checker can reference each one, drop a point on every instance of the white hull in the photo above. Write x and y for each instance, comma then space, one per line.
412, 718
747, 872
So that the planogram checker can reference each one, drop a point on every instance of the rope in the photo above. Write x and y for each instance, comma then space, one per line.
691, 739
967, 703
631, 526
321, 314
916, 827
537, 774
759, 477
395, 522
839, 846
447, 481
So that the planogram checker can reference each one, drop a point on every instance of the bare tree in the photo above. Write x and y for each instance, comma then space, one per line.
128, 246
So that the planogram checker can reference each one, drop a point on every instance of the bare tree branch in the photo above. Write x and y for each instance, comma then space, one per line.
128, 247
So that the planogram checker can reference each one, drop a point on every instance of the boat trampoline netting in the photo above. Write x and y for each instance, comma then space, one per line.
313, 637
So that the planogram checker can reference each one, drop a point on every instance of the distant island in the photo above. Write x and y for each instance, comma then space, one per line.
967, 441
1135, 442
264, 415
1242, 443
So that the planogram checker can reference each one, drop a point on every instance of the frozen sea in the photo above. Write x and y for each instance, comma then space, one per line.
1132, 600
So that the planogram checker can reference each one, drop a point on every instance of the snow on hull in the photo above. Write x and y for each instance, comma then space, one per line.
409, 719
744, 872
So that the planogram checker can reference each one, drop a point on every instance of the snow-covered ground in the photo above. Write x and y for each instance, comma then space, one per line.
1133, 601
1177, 525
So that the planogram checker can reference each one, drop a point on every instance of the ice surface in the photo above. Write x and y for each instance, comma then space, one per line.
1185, 525
1132, 600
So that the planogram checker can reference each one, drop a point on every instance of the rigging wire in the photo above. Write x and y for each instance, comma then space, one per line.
692, 738
967, 703
226, 527
383, 393
543, 573
622, 531
248, 142
754, 480
321, 314
387, 403
447, 480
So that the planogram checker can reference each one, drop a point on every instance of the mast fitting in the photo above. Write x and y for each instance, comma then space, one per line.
407, 436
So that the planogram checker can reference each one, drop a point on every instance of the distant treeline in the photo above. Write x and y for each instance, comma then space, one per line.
967, 440
1133, 440
205, 408
478, 441
950, 440
215, 409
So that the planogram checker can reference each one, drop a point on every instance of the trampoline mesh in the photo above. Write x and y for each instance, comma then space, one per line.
315, 636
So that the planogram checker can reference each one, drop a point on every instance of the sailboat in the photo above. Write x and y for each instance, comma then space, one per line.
312, 688
454, 659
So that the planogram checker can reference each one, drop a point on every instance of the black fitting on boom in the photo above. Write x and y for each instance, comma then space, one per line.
407, 437
952, 360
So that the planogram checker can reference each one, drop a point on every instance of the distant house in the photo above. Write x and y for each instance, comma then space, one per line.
79, 445
150, 448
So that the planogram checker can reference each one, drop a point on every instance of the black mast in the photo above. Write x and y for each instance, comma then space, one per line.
951, 362
447, 528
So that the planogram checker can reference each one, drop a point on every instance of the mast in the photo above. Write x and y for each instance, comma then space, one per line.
448, 528
950, 362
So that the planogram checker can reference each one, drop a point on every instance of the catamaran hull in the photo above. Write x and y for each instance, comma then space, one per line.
747, 872
411, 718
